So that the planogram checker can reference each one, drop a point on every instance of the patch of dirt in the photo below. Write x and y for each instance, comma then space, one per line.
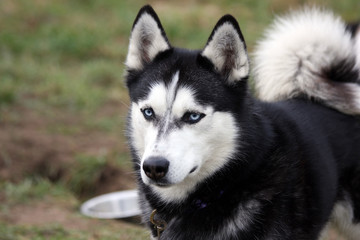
42, 213
114, 179
25, 151
32, 145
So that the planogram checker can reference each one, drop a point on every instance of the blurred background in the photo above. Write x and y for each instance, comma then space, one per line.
63, 104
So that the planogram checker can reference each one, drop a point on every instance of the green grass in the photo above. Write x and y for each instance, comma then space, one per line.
32, 189
55, 232
8, 232
65, 58
69, 54
62, 53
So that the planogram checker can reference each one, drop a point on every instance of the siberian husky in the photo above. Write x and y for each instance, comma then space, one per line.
214, 162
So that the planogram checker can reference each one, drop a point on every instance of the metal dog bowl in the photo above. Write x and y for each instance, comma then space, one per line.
121, 204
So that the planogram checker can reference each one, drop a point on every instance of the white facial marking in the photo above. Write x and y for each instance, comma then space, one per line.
206, 145
143, 131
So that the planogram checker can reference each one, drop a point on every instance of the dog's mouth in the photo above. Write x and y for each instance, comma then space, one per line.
166, 182
193, 170
160, 183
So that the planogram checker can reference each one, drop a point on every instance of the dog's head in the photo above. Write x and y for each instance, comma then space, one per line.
182, 123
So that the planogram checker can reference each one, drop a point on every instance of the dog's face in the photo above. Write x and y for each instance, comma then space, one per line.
181, 125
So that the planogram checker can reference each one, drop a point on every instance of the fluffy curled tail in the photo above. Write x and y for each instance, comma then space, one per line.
310, 53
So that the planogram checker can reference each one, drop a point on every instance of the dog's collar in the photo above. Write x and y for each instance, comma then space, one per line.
159, 224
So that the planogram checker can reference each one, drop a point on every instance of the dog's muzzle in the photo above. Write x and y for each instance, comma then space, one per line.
156, 167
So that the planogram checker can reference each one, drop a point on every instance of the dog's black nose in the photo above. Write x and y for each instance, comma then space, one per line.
156, 167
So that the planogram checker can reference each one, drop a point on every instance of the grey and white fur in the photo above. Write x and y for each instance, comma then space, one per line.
298, 56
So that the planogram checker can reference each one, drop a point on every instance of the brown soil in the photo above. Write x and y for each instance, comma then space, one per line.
31, 144
43, 213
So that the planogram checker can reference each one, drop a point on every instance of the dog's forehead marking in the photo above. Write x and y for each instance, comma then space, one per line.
169, 102
185, 101
171, 93
156, 98
170, 98
162, 97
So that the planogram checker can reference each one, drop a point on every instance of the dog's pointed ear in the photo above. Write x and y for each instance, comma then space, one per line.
147, 39
226, 49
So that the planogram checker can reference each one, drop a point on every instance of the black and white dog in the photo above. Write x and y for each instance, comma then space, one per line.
216, 163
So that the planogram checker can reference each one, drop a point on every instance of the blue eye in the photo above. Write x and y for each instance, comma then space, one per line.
148, 113
192, 117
